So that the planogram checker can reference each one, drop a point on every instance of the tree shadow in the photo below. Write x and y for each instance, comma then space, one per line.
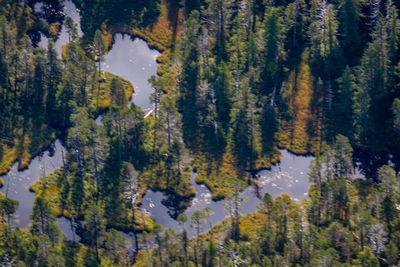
173, 18
175, 204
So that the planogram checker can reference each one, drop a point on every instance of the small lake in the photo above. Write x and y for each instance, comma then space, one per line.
130, 58
288, 176
16, 183
133, 60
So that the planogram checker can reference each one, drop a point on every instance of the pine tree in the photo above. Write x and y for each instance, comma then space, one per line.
42, 216
94, 227
370, 106
273, 54
343, 110
54, 77
39, 86
188, 86
71, 29
242, 135
118, 96
223, 95
351, 37
8, 207
343, 157
99, 50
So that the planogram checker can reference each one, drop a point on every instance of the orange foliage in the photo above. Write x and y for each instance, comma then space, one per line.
302, 133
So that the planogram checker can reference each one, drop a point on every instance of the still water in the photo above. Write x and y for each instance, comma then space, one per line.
69, 10
289, 176
16, 183
133, 60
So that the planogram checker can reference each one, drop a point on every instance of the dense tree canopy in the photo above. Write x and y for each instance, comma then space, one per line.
238, 80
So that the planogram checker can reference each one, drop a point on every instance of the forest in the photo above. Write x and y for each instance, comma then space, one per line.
237, 82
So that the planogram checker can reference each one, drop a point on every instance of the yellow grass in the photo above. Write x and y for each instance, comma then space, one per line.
302, 133
48, 187
25, 145
219, 175
105, 93
162, 35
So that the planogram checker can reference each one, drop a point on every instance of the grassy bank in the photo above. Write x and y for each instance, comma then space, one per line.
31, 135
50, 188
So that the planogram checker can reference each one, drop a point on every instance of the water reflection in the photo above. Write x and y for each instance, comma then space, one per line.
369, 162
16, 183
65, 227
69, 10
136, 62
289, 176
131, 59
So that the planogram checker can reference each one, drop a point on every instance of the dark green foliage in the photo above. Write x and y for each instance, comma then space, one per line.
270, 74
42, 216
242, 135
39, 77
191, 5
116, 13
118, 97
237, 71
268, 125
188, 95
351, 36
94, 227
344, 112
8, 207
223, 95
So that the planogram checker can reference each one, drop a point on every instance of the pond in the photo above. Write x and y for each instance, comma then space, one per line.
16, 184
288, 176
130, 58
133, 60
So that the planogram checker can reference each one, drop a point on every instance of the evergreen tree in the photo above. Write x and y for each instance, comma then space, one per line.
273, 54
71, 28
351, 36
343, 157
54, 78
42, 216
118, 96
344, 107
223, 95
39, 86
99, 48
94, 227
8, 207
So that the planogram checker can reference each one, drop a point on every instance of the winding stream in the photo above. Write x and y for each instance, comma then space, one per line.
289, 176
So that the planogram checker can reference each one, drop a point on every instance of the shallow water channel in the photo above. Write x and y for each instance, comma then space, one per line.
289, 176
